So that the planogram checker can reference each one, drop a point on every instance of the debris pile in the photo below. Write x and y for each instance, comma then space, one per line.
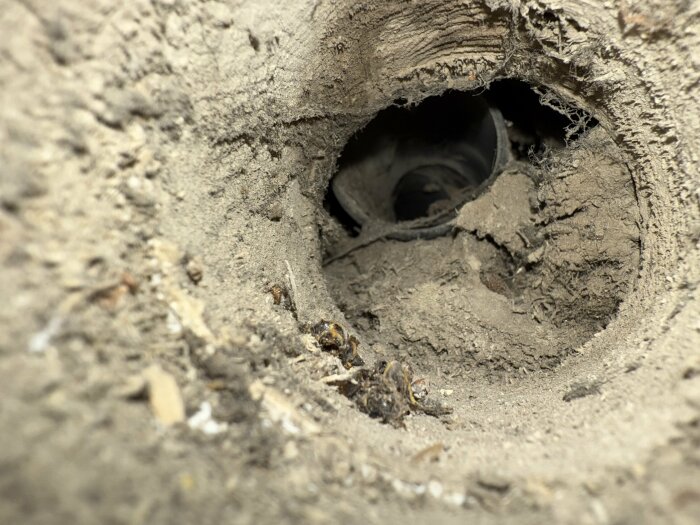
387, 391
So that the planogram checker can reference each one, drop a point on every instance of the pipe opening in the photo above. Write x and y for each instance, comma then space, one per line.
422, 162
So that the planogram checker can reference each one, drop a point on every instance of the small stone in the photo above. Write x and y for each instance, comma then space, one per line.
493, 481
120, 105
202, 420
435, 488
219, 366
582, 389
403, 489
691, 368
341, 470
290, 451
41, 340
275, 212
232, 483
536, 255
455, 498
194, 270
219, 14
369, 473
372, 494
186, 482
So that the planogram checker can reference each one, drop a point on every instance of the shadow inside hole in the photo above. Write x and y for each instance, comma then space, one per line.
440, 150
532, 126
336, 210
417, 162
420, 192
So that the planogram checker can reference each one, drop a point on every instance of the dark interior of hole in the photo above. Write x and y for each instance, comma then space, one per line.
419, 192
333, 206
532, 128
532, 125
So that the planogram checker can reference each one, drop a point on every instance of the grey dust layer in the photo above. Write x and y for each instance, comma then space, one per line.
163, 166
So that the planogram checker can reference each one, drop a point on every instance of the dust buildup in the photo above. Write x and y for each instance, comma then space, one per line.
536, 265
588, 234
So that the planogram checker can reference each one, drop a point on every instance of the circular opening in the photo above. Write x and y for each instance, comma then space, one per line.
519, 270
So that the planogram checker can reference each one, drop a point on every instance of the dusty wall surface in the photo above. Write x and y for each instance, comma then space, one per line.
163, 163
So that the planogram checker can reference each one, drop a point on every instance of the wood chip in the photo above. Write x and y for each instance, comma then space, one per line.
164, 396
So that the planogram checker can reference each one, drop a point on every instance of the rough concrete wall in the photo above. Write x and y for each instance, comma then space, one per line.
136, 138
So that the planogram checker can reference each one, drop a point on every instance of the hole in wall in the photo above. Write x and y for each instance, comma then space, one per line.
484, 228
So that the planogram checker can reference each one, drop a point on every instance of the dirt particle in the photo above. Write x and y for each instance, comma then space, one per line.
692, 369
582, 389
421, 388
110, 295
633, 366
254, 42
429, 454
194, 270
280, 296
